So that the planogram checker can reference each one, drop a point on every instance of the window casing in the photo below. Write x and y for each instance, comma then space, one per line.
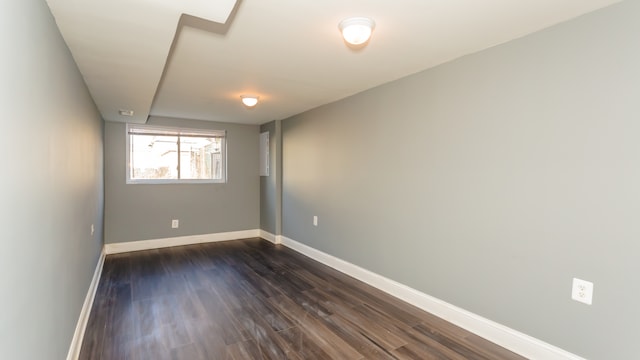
161, 155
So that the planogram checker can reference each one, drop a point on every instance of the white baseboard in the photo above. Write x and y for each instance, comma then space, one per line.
275, 239
78, 335
115, 248
506, 337
268, 236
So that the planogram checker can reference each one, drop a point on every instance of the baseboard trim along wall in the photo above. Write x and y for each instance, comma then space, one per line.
78, 335
275, 239
115, 248
506, 337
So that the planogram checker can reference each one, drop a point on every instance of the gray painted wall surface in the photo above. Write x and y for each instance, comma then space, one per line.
268, 184
271, 186
51, 188
491, 181
278, 173
143, 211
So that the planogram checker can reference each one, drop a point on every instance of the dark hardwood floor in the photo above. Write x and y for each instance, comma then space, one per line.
250, 299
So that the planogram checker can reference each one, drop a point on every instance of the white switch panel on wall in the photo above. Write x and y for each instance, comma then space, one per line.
264, 154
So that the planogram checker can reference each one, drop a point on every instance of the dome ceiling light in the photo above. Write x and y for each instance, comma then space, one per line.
249, 100
356, 30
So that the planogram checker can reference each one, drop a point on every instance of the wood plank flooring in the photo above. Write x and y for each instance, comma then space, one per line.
250, 299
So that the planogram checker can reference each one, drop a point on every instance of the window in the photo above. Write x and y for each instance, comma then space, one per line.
157, 155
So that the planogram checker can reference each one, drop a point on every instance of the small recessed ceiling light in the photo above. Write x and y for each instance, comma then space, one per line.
249, 100
125, 112
356, 30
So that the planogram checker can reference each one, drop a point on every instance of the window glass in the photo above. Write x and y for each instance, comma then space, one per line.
160, 154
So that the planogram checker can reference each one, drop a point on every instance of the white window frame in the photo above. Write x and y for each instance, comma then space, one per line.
176, 131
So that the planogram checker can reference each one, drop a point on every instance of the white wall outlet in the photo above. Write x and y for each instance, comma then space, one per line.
93, 229
175, 223
582, 291
315, 221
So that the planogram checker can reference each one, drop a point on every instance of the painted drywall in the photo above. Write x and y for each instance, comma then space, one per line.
271, 186
51, 188
491, 181
136, 212
268, 184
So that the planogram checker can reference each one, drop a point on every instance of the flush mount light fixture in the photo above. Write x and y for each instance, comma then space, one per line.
124, 112
356, 30
249, 100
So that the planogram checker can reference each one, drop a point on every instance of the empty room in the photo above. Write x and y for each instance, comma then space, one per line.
295, 179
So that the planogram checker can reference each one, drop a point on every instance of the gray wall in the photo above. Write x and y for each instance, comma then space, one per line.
143, 211
51, 188
268, 211
491, 181
271, 186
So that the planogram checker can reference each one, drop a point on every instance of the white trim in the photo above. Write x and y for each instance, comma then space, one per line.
81, 326
115, 248
511, 339
268, 236
275, 239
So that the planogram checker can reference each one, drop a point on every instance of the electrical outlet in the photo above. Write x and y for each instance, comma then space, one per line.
92, 229
175, 223
582, 291
315, 221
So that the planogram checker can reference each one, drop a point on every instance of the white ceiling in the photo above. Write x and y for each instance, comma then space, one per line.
145, 55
